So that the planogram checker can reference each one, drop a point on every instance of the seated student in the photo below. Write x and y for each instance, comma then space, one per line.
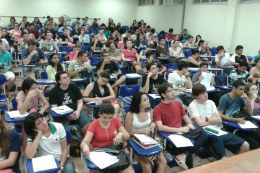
88, 31
255, 72
101, 90
114, 53
49, 28
65, 38
257, 56
151, 59
189, 43
153, 43
168, 116
177, 38
54, 66
222, 59
175, 51
6, 64
184, 35
179, 79
204, 49
143, 52
121, 44
252, 94
15, 33
85, 22
135, 35
33, 56
23, 43
161, 49
65, 93
81, 69
127, 34
49, 44
139, 120
193, 60
204, 113
6, 45
197, 41
65, 26
10, 150
77, 22
48, 138
74, 54
169, 36
116, 35
106, 31
229, 108
84, 38
130, 53
101, 36
5, 35
237, 57
96, 44
139, 43
239, 73
150, 35
105, 131
33, 31
75, 33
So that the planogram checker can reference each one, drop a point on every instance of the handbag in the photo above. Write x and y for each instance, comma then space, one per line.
193, 134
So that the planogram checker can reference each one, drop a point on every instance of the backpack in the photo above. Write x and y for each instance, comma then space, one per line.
128, 70
75, 141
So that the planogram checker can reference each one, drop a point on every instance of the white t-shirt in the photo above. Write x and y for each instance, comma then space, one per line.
177, 82
225, 60
199, 110
51, 145
175, 52
233, 58
4, 43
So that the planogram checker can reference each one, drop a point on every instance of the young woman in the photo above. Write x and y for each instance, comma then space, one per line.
54, 66
105, 131
139, 120
15, 33
116, 36
22, 26
144, 27
111, 25
189, 43
9, 150
193, 60
134, 24
154, 43
139, 43
176, 38
252, 93
175, 51
255, 72
101, 36
49, 138
197, 41
12, 22
84, 38
75, 32
130, 53
36, 19
119, 28
204, 49
88, 31
101, 90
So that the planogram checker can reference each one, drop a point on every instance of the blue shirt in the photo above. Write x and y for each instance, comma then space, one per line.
231, 106
62, 28
36, 58
256, 57
5, 59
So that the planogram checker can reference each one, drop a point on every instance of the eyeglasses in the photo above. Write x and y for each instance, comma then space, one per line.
40, 122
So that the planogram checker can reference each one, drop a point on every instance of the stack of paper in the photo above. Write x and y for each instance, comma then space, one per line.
144, 139
102, 159
207, 79
49, 163
62, 110
16, 114
155, 96
180, 141
248, 125
220, 132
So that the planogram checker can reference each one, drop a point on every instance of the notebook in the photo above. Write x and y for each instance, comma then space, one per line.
143, 145
16, 114
62, 110
49, 163
144, 139
102, 159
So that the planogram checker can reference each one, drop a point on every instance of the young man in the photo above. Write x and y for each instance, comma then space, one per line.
26, 23
114, 54
222, 59
237, 57
170, 35
81, 69
240, 73
49, 28
49, 45
36, 33
6, 45
127, 35
179, 80
69, 94
77, 22
65, 26
66, 38
204, 113
150, 59
4, 34
33, 56
161, 50
85, 22
257, 56
6, 64
150, 35
96, 45
168, 116
113, 69
229, 107
23, 43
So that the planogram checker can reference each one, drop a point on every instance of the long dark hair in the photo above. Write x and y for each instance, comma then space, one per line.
29, 124
59, 67
4, 139
197, 39
137, 37
106, 108
27, 83
136, 100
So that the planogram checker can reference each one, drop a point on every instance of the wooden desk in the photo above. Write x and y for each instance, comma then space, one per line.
248, 162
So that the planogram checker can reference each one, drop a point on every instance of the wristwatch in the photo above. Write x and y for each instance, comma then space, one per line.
207, 119
61, 168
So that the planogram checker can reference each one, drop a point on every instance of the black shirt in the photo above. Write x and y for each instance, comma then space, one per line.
68, 97
64, 38
7, 37
112, 66
99, 45
53, 33
154, 84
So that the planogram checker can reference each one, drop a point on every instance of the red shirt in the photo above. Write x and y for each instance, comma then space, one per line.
72, 54
35, 33
129, 55
103, 138
169, 36
170, 114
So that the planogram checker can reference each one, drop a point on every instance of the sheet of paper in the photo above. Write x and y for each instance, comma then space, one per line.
102, 159
194, 69
16, 114
248, 125
257, 117
181, 141
49, 163
207, 79
221, 132
211, 88
133, 75
155, 96
145, 139
45, 80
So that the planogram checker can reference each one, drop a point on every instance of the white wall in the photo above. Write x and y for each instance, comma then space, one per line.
123, 11
161, 17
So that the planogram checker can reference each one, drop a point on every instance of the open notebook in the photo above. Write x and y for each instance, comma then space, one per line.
16, 114
62, 110
102, 159
43, 163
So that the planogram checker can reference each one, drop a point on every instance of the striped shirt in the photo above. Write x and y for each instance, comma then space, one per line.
36, 58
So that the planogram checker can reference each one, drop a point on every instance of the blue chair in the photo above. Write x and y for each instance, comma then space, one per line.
65, 50
125, 28
187, 54
85, 48
214, 51
3, 97
223, 79
171, 66
44, 75
94, 61
122, 69
61, 59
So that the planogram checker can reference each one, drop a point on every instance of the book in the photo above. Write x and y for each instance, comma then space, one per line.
145, 139
142, 145
16, 114
48, 160
62, 110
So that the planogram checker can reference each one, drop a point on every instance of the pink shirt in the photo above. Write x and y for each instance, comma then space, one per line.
34, 102
120, 45
169, 36
17, 34
129, 54
72, 54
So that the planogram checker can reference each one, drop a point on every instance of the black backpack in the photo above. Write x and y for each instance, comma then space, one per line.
128, 70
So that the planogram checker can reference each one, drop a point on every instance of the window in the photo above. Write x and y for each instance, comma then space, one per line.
170, 2
249, 1
146, 2
209, 1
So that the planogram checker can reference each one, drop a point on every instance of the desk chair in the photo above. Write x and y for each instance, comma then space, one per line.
3, 97
187, 54
94, 61
85, 48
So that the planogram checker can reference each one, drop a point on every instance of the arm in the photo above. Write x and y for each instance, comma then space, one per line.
93, 48
101, 67
209, 53
70, 38
189, 83
22, 106
79, 105
187, 119
118, 58
10, 161
27, 60
8, 48
45, 102
85, 143
137, 57
224, 117
72, 73
123, 56
125, 134
86, 93
191, 60
64, 154
163, 69
218, 63
112, 94
31, 148
164, 128
249, 109
10, 66
147, 83
55, 45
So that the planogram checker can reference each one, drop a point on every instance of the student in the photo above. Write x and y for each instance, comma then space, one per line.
116, 35
77, 22
6, 45
161, 49
15, 33
127, 35
204, 113
193, 60
239, 73
229, 107
150, 35
25, 21
54, 66
255, 72
197, 41
48, 138
114, 53
11, 23
105, 131
257, 56
168, 116
6, 61
101, 36
65, 26
238, 56
175, 51
222, 59
49, 44
88, 31
143, 52
135, 35
95, 24
5, 35
74, 54
139, 120
65, 38
169, 36
75, 31
22, 44
33, 56
151, 59
49, 28
139, 43
184, 35
153, 43
179, 79
33, 31
36, 19
85, 22
84, 38
101, 90
252, 94
189, 43
65, 93
96, 44
204, 49
130, 53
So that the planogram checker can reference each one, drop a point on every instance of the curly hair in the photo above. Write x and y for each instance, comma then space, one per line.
5, 143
